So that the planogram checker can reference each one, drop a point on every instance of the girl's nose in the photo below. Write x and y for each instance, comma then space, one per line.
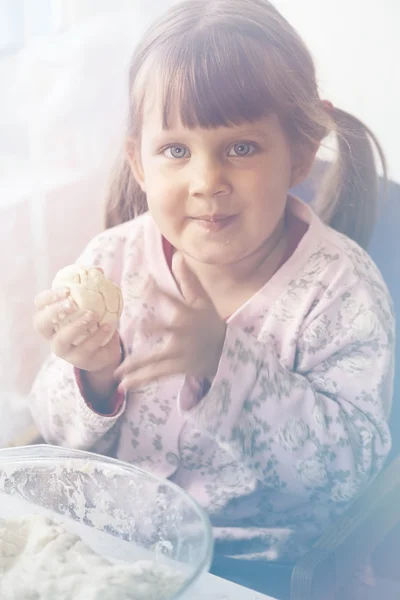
208, 179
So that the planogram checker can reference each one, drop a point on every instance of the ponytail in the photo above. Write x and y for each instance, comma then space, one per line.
125, 199
348, 197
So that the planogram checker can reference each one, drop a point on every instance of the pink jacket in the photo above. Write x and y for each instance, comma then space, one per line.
296, 421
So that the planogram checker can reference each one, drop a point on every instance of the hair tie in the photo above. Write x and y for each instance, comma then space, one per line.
328, 106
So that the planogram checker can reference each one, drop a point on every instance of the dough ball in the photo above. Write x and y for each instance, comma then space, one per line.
91, 290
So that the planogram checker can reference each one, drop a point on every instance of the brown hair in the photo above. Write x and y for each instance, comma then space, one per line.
233, 61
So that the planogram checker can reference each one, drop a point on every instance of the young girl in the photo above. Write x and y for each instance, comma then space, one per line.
254, 359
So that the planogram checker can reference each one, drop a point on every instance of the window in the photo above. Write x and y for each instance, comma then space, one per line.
21, 20
11, 25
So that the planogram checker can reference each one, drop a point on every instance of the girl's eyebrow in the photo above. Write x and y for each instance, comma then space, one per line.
261, 131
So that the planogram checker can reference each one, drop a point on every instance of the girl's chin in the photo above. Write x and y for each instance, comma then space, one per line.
212, 255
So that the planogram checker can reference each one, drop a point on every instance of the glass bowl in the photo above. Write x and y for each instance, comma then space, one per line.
120, 511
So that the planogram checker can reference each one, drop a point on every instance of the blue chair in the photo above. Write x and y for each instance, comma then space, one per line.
368, 533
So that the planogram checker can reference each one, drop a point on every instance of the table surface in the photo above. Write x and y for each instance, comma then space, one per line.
214, 588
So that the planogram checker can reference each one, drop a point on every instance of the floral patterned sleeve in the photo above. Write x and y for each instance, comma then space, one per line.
320, 426
62, 414
57, 405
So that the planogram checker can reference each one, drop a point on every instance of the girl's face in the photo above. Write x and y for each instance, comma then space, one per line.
217, 195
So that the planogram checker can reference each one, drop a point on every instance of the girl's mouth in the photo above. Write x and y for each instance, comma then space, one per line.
215, 222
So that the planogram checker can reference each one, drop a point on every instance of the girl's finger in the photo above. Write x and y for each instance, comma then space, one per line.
150, 372
47, 320
48, 297
65, 340
176, 301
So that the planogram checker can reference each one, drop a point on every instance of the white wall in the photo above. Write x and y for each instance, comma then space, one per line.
356, 46
74, 11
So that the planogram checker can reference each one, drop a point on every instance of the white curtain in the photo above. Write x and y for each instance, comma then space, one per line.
63, 107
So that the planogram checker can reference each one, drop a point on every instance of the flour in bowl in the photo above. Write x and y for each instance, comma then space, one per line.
41, 560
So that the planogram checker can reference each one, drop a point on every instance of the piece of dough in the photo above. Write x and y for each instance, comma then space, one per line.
91, 290
41, 560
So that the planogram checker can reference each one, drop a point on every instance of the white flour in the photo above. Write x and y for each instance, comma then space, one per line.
41, 560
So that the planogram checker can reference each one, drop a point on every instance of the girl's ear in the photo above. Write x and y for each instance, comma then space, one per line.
135, 162
303, 161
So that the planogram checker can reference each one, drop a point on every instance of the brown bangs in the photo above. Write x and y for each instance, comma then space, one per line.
216, 78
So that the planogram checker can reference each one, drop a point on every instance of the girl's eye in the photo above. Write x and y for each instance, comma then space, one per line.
242, 149
176, 151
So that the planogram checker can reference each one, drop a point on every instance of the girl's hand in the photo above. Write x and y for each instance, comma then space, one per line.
78, 342
197, 336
